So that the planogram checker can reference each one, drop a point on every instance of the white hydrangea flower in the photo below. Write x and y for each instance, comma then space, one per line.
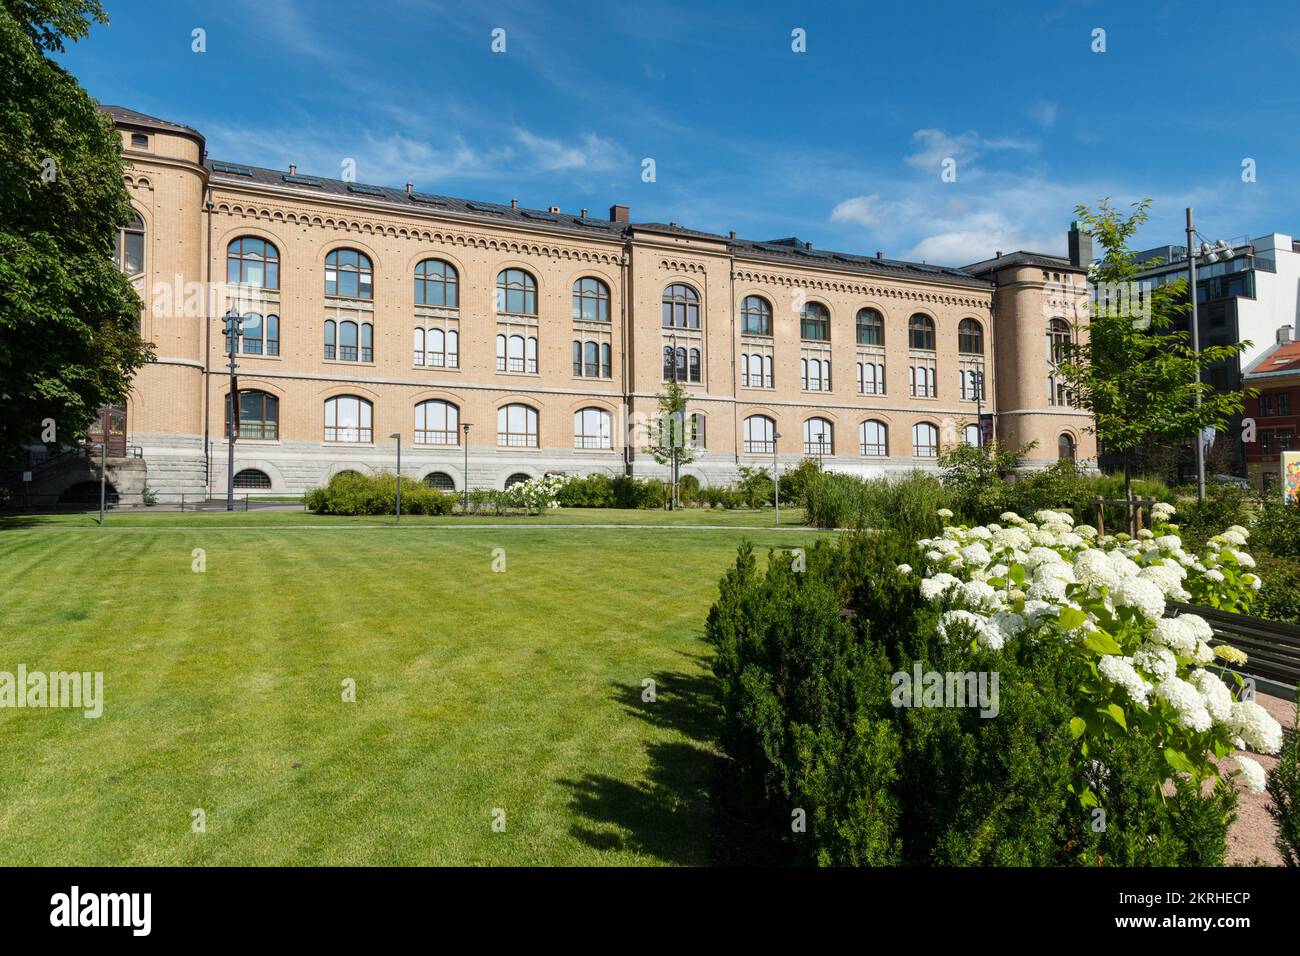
935, 587
980, 595
904, 569
1141, 595
985, 635
1156, 660
976, 555
1214, 694
1120, 671
944, 513
1253, 724
1186, 701
1175, 633
1252, 773
1092, 568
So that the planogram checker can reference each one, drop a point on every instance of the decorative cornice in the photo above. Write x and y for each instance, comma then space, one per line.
855, 287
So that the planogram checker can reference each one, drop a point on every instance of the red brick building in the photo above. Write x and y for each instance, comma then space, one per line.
1275, 410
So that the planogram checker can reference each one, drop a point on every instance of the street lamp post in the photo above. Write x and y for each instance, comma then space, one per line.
465, 479
103, 470
776, 480
398, 436
1220, 247
234, 329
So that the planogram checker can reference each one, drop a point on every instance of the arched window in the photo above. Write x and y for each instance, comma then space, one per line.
871, 327
606, 364
815, 323
760, 435
871, 378
591, 359
920, 333
348, 274
130, 247
1060, 338
436, 284
972, 383
436, 348
873, 438
591, 300
682, 365
517, 426
259, 415
261, 335
925, 440
755, 316
592, 428
818, 437
516, 292
681, 307
355, 342
518, 478
347, 418
971, 435
815, 374
437, 423
694, 365
252, 479
970, 337
695, 436
253, 261
331, 339
1065, 447
440, 480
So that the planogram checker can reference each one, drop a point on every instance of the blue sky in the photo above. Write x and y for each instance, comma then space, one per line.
841, 145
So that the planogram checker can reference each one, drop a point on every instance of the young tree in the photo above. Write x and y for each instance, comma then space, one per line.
1133, 367
670, 434
68, 318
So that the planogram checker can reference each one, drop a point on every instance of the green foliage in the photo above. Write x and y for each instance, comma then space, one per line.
1224, 506
1277, 528
1279, 595
975, 478
1141, 379
805, 661
68, 319
906, 504
1284, 791
349, 493
795, 481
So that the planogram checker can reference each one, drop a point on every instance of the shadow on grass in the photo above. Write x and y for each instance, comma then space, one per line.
685, 808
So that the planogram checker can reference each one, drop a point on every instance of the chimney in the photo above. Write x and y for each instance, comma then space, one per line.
410, 188
807, 245
879, 254
732, 234
293, 169
514, 204
619, 213
1080, 247
553, 210
1285, 334
584, 213
998, 254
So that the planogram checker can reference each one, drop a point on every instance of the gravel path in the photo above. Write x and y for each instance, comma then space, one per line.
1250, 840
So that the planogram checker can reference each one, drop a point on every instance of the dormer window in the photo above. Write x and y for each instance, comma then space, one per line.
139, 141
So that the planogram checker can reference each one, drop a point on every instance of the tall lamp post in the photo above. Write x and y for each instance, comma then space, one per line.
234, 329
776, 479
398, 436
103, 470
465, 428
1212, 253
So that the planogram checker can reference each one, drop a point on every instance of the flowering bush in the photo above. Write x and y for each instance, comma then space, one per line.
536, 495
1104, 598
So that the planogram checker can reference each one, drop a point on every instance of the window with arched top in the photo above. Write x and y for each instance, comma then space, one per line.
252, 479
440, 480
760, 435
818, 437
1060, 340
261, 334
695, 431
971, 435
814, 322
1066, 447
920, 333
755, 316
516, 292
254, 262
129, 255
970, 337
259, 415
518, 478
348, 418
517, 426
437, 423
437, 283
591, 300
593, 428
349, 341
925, 440
873, 438
681, 307
348, 274
870, 327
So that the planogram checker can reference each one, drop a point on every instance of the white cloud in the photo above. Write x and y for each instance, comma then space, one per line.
933, 146
862, 210
1043, 113
591, 153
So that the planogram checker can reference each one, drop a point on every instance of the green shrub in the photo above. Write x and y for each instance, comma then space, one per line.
1284, 791
349, 493
908, 504
1277, 528
1224, 506
688, 488
795, 481
1279, 594
587, 491
639, 492
805, 661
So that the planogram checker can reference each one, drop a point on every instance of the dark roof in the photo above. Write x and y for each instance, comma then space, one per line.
789, 252
132, 118
1022, 258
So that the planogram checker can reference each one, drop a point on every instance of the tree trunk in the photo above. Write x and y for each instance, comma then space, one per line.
1128, 488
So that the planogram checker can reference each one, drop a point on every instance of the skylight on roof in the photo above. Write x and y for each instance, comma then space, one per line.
368, 190
480, 207
231, 168
301, 180
544, 216
426, 198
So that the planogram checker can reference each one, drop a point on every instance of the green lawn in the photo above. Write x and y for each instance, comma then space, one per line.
476, 690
